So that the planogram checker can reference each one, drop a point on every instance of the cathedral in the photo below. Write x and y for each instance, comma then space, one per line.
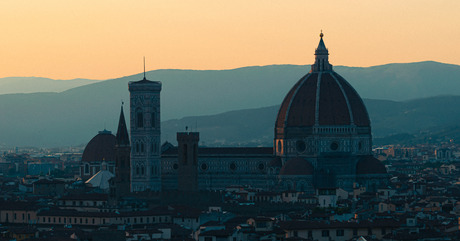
322, 140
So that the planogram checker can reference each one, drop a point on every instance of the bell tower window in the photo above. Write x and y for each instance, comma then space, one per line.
139, 118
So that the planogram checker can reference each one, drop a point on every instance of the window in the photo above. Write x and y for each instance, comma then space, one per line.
142, 147
340, 232
142, 170
139, 118
325, 233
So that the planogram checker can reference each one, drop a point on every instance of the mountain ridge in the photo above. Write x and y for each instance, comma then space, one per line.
73, 116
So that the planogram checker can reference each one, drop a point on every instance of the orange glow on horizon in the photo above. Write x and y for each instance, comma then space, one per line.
108, 39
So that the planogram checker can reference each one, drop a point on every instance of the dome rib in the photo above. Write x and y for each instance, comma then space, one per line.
360, 115
317, 96
350, 112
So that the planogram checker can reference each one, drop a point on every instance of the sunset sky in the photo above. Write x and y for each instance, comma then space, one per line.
102, 39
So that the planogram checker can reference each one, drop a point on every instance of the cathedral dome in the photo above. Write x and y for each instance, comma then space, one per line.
297, 166
370, 165
101, 147
322, 99
322, 113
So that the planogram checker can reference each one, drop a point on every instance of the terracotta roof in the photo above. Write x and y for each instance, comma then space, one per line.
370, 165
297, 166
336, 101
101, 147
321, 97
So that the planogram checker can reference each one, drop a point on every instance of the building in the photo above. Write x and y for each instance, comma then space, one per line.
322, 141
145, 135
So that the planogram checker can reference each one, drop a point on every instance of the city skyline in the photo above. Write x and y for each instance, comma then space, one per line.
107, 39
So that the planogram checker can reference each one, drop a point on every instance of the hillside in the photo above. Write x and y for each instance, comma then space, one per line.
73, 116
13, 85
416, 121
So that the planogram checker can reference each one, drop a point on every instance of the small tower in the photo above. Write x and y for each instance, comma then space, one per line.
145, 135
187, 178
122, 158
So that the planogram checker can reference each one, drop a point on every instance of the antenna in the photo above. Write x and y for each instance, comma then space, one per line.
144, 67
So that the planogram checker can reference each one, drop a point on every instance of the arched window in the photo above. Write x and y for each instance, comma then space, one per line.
142, 147
137, 170
137, 147
142, 170
139, 118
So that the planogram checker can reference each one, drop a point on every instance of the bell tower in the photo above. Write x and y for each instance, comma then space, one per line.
145, 135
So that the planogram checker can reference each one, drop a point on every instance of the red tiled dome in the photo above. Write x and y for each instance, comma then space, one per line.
326, 97
297, 166
321, 98
370, 165
101, 147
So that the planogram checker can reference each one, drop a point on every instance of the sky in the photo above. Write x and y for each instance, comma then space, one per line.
103, 39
